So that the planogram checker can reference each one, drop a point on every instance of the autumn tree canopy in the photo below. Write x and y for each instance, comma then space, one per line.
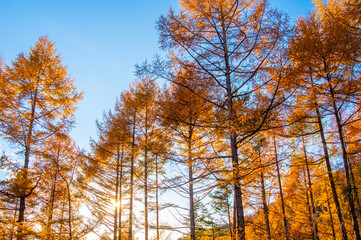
246, 128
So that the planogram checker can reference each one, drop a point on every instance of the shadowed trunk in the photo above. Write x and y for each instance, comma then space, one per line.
281, 192
314, 216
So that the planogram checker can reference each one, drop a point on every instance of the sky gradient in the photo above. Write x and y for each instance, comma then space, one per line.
99, 41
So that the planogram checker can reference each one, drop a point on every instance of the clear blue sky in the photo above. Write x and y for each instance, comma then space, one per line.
100, 42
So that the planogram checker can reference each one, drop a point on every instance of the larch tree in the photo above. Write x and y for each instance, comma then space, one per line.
186, 114
58, 199
304, 162
146, 97
109, 171
41, 99
131, 112
320, 48
230, 42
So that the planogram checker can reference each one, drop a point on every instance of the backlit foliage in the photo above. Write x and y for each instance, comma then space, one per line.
257, 131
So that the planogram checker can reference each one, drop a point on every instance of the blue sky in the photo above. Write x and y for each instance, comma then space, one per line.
99, 41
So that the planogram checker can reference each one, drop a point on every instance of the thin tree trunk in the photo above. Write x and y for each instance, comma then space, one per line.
314, 216
265, 207
115, 227
239, 223
52, 200
329, 168
29, 139
62, 217
27, 157
191, 196
281, 192
69, 204
120, 194
309, 206
156, 197
329, 210
330, 175
69, 212
355, 188
264, 202
346, 166
146, 223
131, 188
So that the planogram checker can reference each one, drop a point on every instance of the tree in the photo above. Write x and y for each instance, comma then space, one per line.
41, 100
185, 114
57, 197
146, 97
230, 42
319, 49
221, 205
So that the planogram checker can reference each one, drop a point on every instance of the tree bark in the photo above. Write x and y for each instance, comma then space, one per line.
330, 175
157, 197
120, 194
146, 223
131, 188
265, 207
264, 201
309, 207
239, 223
349, 191
27, 156
115, 227
329, 210
69, 212
52, 200
314, 216
191, 197
281, 192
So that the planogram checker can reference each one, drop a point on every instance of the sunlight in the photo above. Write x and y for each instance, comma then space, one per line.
115, 203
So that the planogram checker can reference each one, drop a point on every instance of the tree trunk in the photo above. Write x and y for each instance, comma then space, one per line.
156, 197
52, 200
330, 176
29, 139
115, 227
264, 201
329, 210
62, 217
27, 157
69, 212
314, 216
309, 206
346, 165
131, 188
354, 185
69, 204
265, 207
120, 194
281, 192
239, 223
191, 196
146, 223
